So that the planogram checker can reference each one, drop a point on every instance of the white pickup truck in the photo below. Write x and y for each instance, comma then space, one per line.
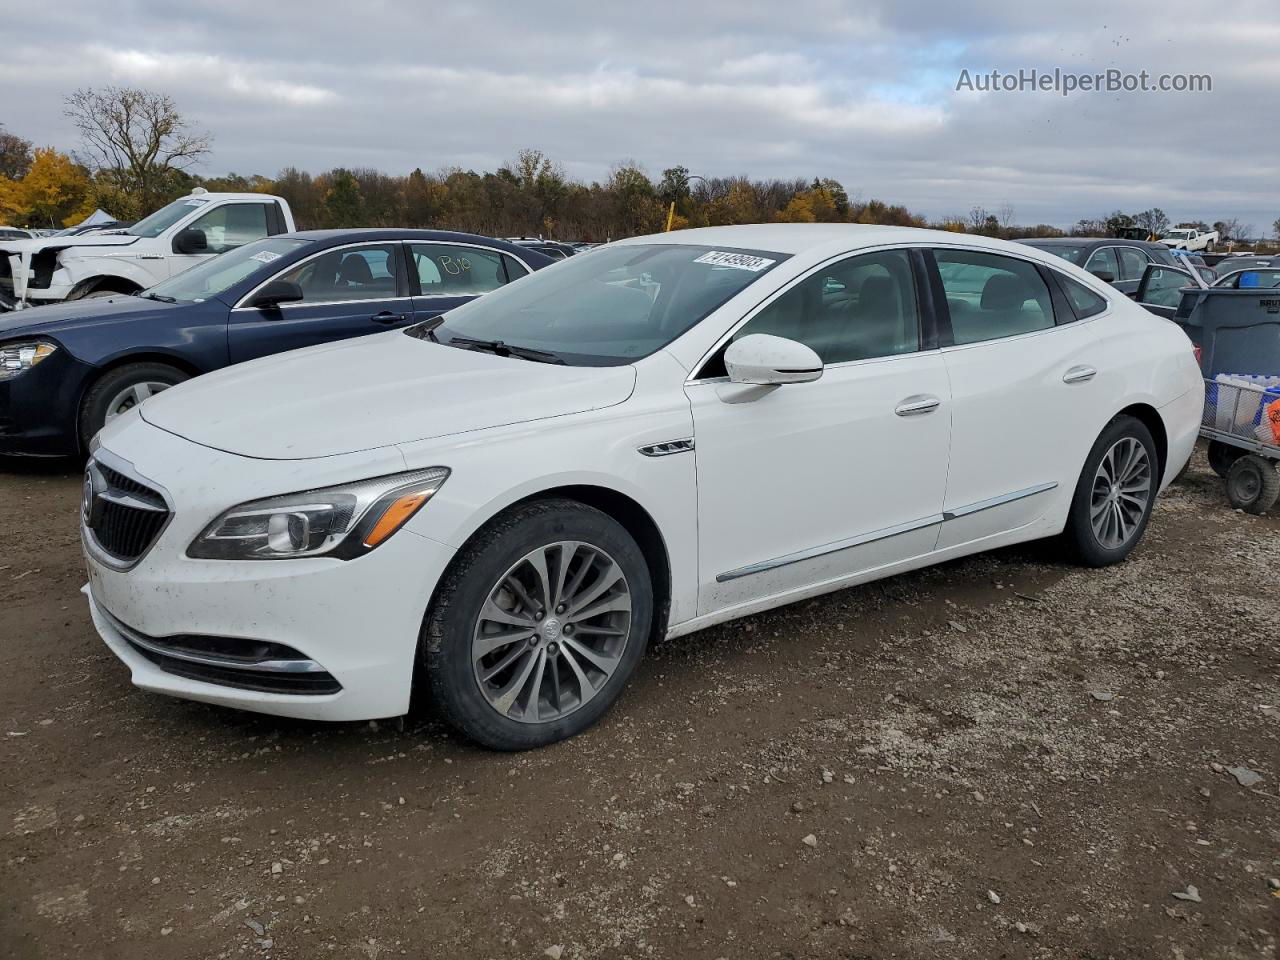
175, 237
1189, 238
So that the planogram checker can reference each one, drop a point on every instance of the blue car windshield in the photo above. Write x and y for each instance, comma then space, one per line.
610, 306
222, 272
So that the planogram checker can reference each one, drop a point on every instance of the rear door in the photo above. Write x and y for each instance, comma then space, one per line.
445, 275
347, 291
1024, 393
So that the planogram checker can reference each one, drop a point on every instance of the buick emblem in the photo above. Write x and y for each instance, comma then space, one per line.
91, 507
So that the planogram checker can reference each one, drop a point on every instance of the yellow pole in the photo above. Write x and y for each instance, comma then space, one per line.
671, 214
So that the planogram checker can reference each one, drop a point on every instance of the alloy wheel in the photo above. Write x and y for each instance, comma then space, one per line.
552, 632
1122, 489
131, 396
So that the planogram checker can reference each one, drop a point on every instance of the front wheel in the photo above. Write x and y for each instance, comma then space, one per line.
1114, 495
538, 625
120, 391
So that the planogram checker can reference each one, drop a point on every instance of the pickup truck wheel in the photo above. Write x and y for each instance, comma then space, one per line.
120, 391
1253, 484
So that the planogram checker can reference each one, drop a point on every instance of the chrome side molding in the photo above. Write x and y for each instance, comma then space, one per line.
997, 501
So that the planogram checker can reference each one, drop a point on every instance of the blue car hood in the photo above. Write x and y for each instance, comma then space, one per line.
53, 319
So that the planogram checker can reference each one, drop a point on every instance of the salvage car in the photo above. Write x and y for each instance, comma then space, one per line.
187, 231
1117, 262
510, 502
67, 370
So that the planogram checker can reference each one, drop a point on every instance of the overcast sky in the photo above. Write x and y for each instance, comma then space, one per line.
864, 92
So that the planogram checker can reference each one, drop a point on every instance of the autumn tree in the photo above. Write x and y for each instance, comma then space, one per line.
55, 192
137, 144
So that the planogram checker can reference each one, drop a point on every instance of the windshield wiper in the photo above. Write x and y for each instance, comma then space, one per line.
503, 349
159, 296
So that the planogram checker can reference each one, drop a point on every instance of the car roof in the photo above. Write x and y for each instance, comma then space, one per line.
795, 238
374, 234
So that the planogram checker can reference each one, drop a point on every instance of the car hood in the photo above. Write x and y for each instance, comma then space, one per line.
59, 318
374, 392
88, 240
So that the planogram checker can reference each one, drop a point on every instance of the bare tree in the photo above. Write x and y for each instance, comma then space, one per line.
136, 139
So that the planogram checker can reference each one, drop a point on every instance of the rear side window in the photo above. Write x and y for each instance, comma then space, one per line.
1103, 260
1132, 262
449, 271
1084, 302
990, 296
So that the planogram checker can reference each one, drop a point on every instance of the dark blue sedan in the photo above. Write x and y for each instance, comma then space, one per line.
66, 369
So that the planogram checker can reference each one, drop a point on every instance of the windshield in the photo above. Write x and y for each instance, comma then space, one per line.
210, 278
165, 217
610, 306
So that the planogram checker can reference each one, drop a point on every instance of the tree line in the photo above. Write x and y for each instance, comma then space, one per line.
137, 152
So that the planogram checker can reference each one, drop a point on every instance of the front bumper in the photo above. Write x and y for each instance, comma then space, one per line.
357, 620
39, 408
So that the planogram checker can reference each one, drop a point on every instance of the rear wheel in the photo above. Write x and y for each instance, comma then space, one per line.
1253, 484
1222, 456
538, 625
1114, 495
120, 391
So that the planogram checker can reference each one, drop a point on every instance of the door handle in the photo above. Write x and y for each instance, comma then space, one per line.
1079, 374
386, 316
914, 406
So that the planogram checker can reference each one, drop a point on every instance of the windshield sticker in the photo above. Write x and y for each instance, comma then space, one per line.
195, 202
265, 256
739, 261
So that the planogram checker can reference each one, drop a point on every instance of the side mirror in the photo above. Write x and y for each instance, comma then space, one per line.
190, 240
1106, 276
277, 292
766, 359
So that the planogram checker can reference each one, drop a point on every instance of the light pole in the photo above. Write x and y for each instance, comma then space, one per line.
671, 210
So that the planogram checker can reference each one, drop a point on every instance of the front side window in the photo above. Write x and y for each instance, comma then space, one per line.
990, 296
233, 225
1103, 260
1163, 285
1132, 262
854, 309
212, 277
450, 271
349, 273
613, 306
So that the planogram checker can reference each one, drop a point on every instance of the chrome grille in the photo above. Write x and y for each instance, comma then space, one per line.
123, 515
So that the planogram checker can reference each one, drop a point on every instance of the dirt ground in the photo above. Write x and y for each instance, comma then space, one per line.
1002, 757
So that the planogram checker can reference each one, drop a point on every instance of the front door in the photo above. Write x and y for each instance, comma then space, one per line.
347, 292
806, 484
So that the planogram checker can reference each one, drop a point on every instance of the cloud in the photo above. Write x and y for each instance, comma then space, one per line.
862, 92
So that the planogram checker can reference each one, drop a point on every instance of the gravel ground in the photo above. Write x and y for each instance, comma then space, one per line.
1001, 757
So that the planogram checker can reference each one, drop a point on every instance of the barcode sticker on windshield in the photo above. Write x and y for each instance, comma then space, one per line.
739, 261
196, 202
266, 256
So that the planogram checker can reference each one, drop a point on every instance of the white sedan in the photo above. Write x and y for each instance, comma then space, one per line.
505, 505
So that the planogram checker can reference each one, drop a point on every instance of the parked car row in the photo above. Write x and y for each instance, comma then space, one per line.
504, 502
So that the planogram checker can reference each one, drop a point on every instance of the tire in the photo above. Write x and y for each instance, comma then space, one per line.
500, 711
1222, 456
1122, 525
103, 400
1253, 485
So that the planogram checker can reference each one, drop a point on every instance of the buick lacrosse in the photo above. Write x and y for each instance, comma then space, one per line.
502, 507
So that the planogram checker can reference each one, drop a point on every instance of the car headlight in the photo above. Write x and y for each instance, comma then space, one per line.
344, 522
22, 355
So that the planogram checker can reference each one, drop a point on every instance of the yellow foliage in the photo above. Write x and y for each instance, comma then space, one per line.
55, 191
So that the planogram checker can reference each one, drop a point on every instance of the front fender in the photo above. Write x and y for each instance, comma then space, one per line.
78, 270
